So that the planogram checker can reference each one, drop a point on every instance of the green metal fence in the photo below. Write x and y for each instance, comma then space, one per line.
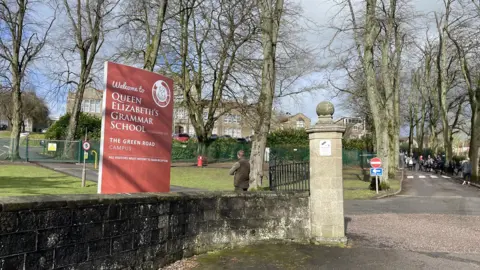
221, 152
44, 150
349, 157
37, 150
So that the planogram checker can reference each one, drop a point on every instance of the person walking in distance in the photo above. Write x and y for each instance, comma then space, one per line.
241, 172
467, 171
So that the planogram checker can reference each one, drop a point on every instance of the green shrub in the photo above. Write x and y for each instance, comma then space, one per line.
93, 124
290, 153
288, 137
384, 185
226, 149
184, 151
357, 144
220, 149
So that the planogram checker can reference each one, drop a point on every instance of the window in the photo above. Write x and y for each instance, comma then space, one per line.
180, 113
178, 98
236, 118
91, 106
234, 132
231, 118
227, 118
205, 116
300, 123
86, 106
97, 105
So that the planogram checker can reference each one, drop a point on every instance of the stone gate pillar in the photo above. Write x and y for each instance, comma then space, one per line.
326, 181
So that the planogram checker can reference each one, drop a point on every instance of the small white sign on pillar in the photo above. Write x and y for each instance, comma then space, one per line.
325, 148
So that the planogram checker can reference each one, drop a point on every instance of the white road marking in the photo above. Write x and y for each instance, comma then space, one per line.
421, 176
410, 176
433, 176
434, 196
444, 176
8, 147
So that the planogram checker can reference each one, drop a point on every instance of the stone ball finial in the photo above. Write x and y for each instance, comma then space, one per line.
325, 109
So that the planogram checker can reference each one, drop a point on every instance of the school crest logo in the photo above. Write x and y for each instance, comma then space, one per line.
161, 93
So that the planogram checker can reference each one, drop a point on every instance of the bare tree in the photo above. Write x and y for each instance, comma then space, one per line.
142, 23
87, 21
201, 52
392, 45
22, 37
376, 53
442, 80
466, 44
270, 17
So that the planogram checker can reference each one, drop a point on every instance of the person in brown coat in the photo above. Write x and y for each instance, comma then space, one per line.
241, 172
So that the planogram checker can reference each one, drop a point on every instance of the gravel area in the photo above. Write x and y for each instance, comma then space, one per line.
185, 264
416, 232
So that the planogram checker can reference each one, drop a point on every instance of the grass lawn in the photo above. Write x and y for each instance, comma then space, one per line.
33, 136
356, 185
16, 180
202, 178
30, 180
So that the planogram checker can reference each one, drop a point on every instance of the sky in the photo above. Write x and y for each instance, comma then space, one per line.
316, 12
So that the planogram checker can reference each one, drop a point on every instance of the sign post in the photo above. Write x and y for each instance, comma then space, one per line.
376, 170
86, 147
136, 141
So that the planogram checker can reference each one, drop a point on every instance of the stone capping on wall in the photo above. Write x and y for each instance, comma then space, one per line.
143, 230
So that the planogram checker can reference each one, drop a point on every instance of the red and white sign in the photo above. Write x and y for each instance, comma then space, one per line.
86, 146
376, 162
136, 139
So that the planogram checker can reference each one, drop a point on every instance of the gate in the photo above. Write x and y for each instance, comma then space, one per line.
290, 172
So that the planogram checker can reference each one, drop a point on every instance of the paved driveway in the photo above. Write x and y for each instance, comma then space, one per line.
434, 213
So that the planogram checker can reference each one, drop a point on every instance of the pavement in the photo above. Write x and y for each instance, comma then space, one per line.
4, 147
34, 152
76, 170
431, 224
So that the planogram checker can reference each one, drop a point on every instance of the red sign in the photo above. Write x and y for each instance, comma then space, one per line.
376, 162
136, 131
86, 146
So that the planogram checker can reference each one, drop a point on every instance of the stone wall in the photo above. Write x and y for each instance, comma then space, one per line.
141, 231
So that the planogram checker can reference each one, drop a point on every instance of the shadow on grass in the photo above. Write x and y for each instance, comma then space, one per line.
356, 174
15, 185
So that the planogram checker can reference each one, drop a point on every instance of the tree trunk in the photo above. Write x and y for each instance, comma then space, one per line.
421, 129
442, 82
410, 135
73, 123
270, 20
257, 160
475, 142
202, 145
16, 118
373, 95
151, 53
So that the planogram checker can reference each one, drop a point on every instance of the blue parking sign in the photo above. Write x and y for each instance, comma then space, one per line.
376, 172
